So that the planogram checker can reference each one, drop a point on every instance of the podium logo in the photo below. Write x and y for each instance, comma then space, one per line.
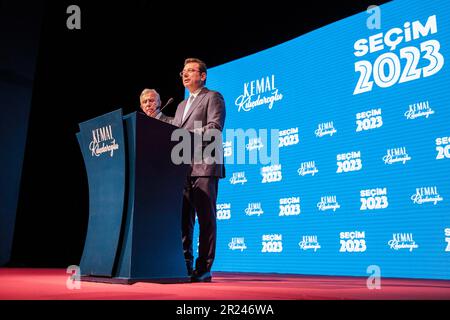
223, 211
417, 110
288, 137
443, 148
238, 177
259, 92
374, 199
307, 168
328, 203
272, 243
350, 161
402, 241
447, 239
103, 141
271, 174
353, 241
368, 120
396, 155
254, 209
324, 129
290, 206
426, 194
237, 244
309, 243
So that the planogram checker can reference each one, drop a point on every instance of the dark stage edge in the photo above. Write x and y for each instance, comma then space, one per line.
132, 281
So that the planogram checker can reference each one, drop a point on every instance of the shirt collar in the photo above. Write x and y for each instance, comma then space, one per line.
196, 92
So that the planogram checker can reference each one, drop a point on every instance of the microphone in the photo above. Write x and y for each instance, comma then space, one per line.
167, 103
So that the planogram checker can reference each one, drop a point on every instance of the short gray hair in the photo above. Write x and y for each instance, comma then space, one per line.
145, 91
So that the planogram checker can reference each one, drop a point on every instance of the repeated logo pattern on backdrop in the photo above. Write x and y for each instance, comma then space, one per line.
364, 150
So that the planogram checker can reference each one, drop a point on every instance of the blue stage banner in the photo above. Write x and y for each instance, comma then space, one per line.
360, 110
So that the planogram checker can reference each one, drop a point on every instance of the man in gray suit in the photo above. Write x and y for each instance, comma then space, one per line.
207, 108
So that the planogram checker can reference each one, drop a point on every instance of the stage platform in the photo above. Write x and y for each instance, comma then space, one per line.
50, 284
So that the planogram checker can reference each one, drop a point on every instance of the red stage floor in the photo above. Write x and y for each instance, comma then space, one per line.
50, 284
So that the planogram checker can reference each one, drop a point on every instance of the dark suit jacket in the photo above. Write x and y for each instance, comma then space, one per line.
209, 109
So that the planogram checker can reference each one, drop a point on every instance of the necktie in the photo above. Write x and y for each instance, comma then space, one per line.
188, 106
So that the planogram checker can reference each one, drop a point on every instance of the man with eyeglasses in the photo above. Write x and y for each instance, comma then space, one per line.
205, 107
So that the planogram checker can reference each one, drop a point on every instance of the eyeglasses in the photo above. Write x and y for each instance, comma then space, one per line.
188, 71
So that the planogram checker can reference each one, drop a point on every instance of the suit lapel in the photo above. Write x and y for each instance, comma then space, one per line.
180, 112
194, 105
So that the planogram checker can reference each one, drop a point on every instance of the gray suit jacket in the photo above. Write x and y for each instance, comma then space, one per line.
209, 109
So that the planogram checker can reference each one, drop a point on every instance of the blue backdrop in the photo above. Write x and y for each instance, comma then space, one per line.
363, 121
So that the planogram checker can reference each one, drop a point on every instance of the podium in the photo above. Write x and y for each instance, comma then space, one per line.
135, 199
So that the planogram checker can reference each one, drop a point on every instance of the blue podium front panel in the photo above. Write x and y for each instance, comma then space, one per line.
102, 144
